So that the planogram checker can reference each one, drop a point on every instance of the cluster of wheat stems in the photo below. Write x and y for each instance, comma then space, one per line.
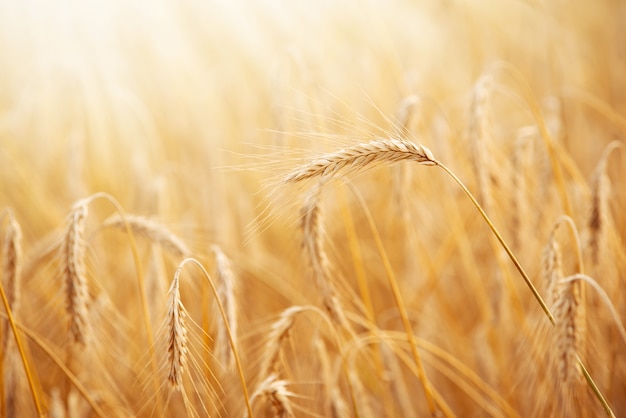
198, 221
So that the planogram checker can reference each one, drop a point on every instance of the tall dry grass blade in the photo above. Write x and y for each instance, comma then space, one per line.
176, 337
314, 237
361, 156
226, 293
152, 230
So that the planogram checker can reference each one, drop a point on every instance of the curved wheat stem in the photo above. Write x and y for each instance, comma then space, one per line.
358, 157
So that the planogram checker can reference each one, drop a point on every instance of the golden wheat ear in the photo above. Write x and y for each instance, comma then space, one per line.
176, 337
74, 273
11, 277
151, 230
359, 157
314, 238
226, 291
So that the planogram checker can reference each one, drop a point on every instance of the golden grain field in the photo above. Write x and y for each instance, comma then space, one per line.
351, 208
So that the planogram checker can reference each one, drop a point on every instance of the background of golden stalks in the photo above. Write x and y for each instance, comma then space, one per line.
378, 291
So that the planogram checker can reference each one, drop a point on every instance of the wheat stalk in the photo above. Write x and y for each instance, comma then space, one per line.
176, 337
152, 230
314, 237
357, 157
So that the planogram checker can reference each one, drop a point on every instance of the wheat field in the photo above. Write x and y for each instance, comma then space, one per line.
351, 208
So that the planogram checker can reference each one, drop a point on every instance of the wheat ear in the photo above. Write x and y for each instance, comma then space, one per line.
226, 293
177, 337
552, 270
357, 157
278, 332
11, 269
276, 394
242, 379
75, 278
314, 237
151, 230
11, 277
9, 311
569, 332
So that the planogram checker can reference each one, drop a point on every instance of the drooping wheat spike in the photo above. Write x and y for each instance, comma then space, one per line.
11, 277
334, 404
152, 230
569, 332
314, 238
599, 216
361, 156
176, 337
275, 392
75, 276
11, 270
226, 292
552, 270
278, 332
